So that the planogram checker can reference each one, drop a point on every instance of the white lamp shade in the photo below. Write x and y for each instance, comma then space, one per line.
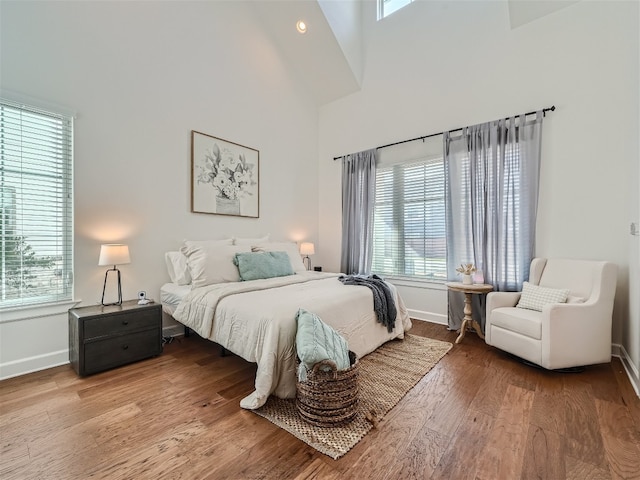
114, 254
307, 248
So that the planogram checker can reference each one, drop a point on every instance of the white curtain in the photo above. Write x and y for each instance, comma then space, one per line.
491, 195
358, 199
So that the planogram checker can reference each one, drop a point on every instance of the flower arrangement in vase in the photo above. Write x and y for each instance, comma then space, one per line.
230, 176
466, 270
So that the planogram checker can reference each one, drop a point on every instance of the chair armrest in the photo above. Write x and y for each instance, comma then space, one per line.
501, 299
561, 323
498, 300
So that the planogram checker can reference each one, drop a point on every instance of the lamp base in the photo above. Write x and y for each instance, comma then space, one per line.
307, 262
104, 287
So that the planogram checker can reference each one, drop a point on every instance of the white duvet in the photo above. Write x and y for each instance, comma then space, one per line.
256, 320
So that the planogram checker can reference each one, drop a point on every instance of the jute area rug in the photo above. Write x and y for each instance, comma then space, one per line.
386, 375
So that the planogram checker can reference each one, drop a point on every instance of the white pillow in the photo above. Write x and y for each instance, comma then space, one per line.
291, 248
177, 268
534, 297
251, 241
209, 264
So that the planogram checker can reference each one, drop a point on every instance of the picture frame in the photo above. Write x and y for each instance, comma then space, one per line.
225, 177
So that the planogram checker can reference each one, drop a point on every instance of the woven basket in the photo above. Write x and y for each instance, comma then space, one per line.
329, 399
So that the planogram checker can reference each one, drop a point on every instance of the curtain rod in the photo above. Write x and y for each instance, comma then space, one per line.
552, 108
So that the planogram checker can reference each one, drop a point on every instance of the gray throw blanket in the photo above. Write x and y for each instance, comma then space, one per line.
383, 303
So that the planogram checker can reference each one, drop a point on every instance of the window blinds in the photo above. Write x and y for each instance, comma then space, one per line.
409, 237
36, 206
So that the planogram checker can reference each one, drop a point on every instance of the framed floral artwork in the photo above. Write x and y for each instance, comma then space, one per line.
225, 177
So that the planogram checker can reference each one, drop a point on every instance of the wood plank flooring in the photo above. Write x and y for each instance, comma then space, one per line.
479, 414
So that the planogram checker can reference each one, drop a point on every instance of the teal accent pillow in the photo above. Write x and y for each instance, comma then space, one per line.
257, 265
317, 341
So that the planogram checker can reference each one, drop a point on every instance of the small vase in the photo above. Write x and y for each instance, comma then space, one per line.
467, 279
227, 206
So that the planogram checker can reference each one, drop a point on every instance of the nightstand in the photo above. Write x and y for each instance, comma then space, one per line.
104, 337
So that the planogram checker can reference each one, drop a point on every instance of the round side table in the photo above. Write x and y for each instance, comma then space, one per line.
468, 291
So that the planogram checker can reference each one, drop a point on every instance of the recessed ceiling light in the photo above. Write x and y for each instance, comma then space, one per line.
301, 26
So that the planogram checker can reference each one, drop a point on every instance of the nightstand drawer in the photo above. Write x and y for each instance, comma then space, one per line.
111, 352
122, 323
103, 337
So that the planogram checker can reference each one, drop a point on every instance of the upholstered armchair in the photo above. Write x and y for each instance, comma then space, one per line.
561, 335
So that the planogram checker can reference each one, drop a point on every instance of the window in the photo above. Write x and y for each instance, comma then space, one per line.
387, 7
409, 237
36, 231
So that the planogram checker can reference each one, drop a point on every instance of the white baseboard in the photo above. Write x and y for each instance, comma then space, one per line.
632, 372
428, 316
23, 366
33, 364
54, 359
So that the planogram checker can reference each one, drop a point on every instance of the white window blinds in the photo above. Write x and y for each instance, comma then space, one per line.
409, 238
36, 206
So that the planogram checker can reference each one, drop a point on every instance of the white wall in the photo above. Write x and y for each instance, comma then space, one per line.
433, 66
631, 329
141, 76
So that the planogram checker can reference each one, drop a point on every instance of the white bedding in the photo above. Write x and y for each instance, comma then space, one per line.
171, 295
256, 320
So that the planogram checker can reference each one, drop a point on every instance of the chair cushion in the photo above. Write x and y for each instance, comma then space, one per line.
518, 320
534, 297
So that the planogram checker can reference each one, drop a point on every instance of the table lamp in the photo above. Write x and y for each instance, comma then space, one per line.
113, 254
306, 249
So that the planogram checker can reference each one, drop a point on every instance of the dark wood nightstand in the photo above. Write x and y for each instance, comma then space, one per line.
104, 337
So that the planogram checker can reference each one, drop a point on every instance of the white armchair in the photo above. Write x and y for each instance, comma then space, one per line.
562, 335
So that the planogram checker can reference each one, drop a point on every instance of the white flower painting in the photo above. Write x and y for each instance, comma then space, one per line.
225, 177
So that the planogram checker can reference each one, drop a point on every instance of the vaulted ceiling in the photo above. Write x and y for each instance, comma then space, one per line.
328, 57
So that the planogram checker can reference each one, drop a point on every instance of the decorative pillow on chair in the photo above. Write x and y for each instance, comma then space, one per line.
257, 265
534, 297
317, 341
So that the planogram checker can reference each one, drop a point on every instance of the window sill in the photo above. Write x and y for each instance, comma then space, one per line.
416, 283
36, 311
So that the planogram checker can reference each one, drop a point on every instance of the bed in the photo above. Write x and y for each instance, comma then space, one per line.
256, 319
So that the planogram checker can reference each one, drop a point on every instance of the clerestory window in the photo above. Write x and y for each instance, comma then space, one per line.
387, 7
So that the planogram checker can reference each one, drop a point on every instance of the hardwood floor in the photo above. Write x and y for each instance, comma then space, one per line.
478, 414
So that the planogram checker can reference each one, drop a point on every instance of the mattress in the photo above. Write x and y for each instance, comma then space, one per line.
171, 295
